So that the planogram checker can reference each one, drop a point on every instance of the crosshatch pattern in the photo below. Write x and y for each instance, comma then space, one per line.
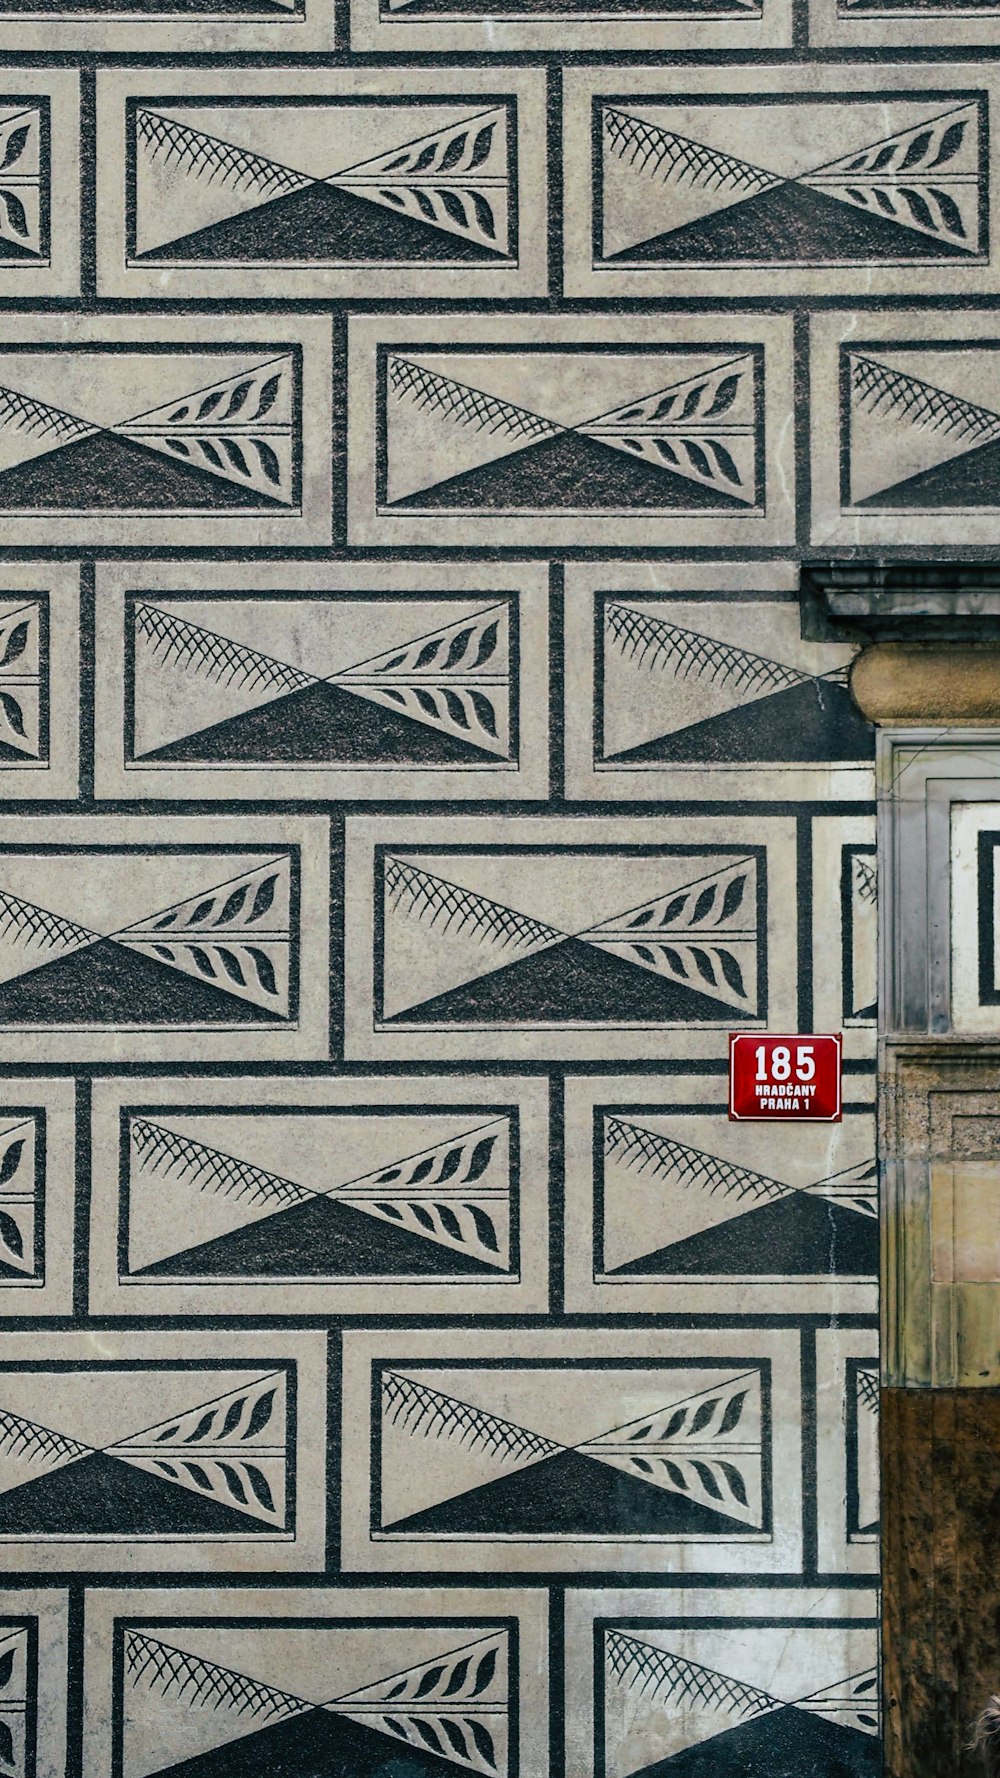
414, 416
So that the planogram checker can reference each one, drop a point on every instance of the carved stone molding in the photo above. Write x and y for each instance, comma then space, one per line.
940, 1112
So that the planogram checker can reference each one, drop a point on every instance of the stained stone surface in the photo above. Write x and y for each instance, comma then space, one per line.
414, 418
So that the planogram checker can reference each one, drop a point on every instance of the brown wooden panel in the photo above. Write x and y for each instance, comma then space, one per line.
941, 1575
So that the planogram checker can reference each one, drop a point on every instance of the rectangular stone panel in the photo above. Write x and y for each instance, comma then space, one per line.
974, 875
670, 1208
141, 26
492, 1451
780, 180
263, 183
185, 430
692, 681
286, 680
39, 183
845, 930
847, 1468
558, 432
37, 1190
33, 1691
196, 939
161, 1452
324, 1678
577, 939
402, 26
879, 25
39, 680
381, 1196
722, 1680
905, 423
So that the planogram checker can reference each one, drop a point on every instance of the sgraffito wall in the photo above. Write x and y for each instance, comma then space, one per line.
412, 425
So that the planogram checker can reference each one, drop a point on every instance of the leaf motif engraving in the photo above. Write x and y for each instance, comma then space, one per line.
484, 1674
481, 147
950, 212
258, 1482
235, 455
10, 1235
453, 152
725, 395
15, 213
703, 964
262, 1411
428, 1681
487, 644
725, 461
6, 1668
232, 1418
708, 1480
15, 644
11, 1160
264, 897
484, 1227
264, 968
233, 1483
734, 1412
14, 146
268, 396
7, 1745
704, 1414
733, 897
484, 1742
480, 1157
737, 1486
915, 152
484, 712
950, 144
268, 461
454, 1733
449, 1221
202, 1429
234, 904
458, 646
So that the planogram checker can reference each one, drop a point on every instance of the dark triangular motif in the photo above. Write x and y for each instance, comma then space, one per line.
571, 472
571, 981
12, 755
817, 721
14, 252
324, 1238
787, 1743
802, 1235
99, 1495
319, 225
317, 1744
790, 224
107, 473
568, 1495
969, 480
109, 984
322, 723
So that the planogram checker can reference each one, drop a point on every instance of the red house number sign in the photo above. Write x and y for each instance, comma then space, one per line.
785, 1077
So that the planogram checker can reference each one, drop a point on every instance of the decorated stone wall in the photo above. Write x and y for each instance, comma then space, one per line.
414, 417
